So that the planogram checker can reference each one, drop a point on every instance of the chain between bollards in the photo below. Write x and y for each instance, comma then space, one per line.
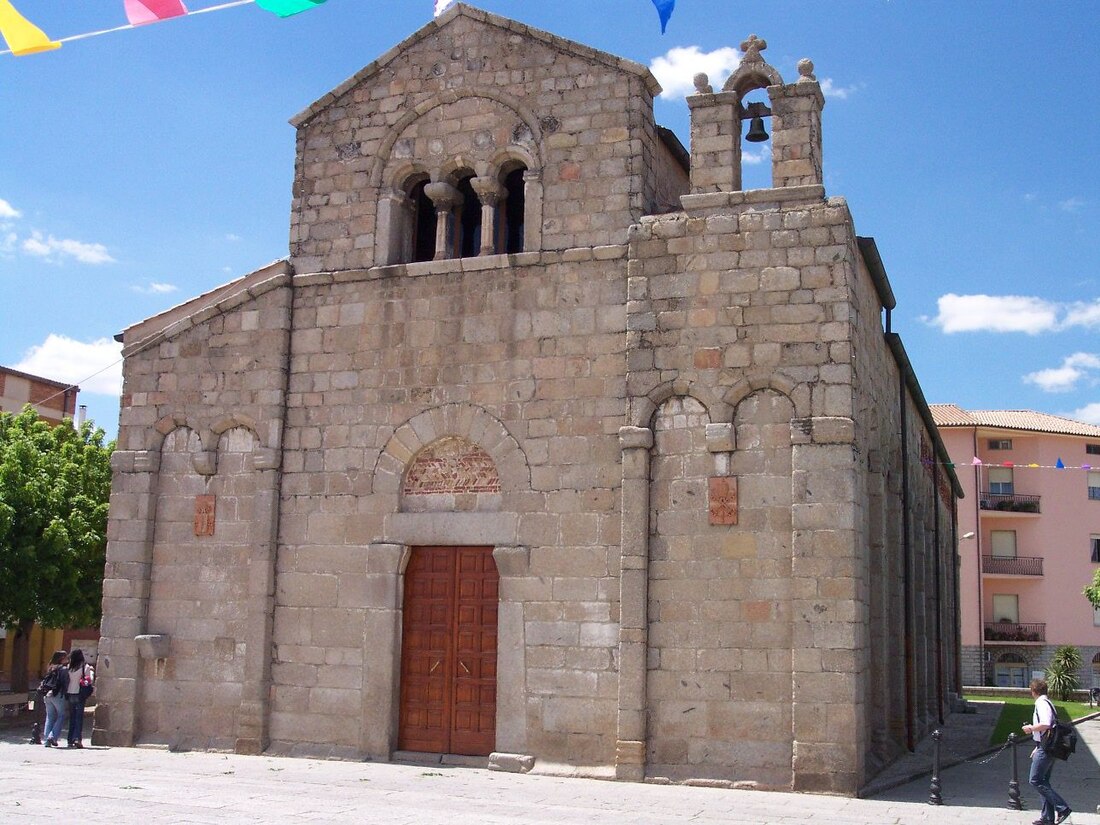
934, 797
1014, 784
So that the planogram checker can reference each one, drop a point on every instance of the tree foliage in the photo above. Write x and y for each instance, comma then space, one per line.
1092, 591
55, 483
1062, 678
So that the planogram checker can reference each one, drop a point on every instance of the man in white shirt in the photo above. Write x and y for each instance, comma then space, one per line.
1055, 809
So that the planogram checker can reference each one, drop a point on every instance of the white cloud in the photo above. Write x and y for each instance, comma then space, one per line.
1012, 313
1074, 368
8, 243
675, 70
53, 249
1081, 314
754, 158
831, 90
95, 366
995, 313
155, 288
1071, 204
8, 211
232, 238
1090, 414
441, 6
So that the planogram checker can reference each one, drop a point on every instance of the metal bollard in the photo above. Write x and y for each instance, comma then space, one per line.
1014, 784
934, 797
36, 734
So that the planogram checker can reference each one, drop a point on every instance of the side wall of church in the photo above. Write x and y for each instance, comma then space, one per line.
188, 580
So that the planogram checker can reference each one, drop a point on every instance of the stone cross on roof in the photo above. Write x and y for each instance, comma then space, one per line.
752, 48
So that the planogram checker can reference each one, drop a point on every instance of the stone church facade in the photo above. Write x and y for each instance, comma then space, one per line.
547, 444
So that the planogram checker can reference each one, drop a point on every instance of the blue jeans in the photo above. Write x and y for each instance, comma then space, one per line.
76, 718
55, 716
1041, 766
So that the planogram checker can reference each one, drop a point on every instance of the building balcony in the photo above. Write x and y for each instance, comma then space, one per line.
1012, 566
999, 503
1011, 632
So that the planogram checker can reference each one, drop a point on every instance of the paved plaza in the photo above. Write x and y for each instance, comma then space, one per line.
138, 785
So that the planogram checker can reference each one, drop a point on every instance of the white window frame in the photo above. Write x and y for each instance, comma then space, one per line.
997, 475
1094, 485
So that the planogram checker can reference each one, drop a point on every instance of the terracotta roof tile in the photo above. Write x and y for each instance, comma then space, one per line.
950, 415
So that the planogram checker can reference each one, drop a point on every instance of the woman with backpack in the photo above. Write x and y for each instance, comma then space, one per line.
54, 687
81, 679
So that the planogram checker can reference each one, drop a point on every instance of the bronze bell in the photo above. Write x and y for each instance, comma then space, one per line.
756, 131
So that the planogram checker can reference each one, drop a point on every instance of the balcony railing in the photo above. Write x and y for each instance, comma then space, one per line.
1014, 566
1011, 632
1009, 503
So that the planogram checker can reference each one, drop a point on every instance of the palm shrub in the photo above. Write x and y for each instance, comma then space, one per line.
1062, 678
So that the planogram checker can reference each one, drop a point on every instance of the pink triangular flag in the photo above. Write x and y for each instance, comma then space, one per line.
976, 461
140, 12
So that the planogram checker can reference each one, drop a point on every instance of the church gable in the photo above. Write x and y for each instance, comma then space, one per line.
476, 136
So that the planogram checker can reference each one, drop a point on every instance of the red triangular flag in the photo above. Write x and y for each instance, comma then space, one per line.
140, 12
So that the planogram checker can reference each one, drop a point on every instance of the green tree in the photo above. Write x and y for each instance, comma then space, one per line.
1062, 678
55, 483
1092, 591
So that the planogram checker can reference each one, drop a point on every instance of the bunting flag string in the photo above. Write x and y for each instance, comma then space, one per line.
23, 37
977, 462
664, 11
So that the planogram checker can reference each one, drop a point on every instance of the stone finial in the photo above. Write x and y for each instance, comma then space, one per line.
702, 84
752, 48
806, 71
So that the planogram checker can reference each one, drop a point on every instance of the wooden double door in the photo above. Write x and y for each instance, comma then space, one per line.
449, 651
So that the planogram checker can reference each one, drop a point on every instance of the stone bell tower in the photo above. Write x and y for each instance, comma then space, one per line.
716, 117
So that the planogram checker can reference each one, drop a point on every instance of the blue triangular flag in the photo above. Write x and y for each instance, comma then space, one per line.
1060, 465
664, 10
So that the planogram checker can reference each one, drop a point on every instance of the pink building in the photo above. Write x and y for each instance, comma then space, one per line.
1029, 530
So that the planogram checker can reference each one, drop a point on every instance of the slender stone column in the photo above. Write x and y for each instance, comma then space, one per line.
445, 198
532, 210
630, 748
489, 192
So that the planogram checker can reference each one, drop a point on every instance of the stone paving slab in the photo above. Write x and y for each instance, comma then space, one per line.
138, 785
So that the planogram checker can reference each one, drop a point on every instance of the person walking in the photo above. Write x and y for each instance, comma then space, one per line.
81, 679
54, 689
1055, 810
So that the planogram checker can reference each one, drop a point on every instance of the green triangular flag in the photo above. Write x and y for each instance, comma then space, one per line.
285, 8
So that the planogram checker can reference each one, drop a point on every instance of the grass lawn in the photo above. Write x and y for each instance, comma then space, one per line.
1017, 711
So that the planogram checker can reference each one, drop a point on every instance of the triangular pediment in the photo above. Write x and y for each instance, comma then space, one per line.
448, 19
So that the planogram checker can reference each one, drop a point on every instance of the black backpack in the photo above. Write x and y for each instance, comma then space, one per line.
1060, 740
50, 682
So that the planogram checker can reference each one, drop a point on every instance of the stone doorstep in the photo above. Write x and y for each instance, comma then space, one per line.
453, 760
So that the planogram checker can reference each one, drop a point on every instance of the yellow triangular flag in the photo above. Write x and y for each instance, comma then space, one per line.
22, 36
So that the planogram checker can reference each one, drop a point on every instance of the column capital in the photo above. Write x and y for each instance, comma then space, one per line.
489, 191
442, 195
635, 438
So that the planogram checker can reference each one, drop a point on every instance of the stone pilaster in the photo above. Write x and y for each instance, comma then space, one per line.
828, 692
382, 640
513, 565
630, 748
252, 724
126, 585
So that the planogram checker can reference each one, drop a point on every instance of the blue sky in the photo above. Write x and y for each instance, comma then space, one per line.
144, 167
